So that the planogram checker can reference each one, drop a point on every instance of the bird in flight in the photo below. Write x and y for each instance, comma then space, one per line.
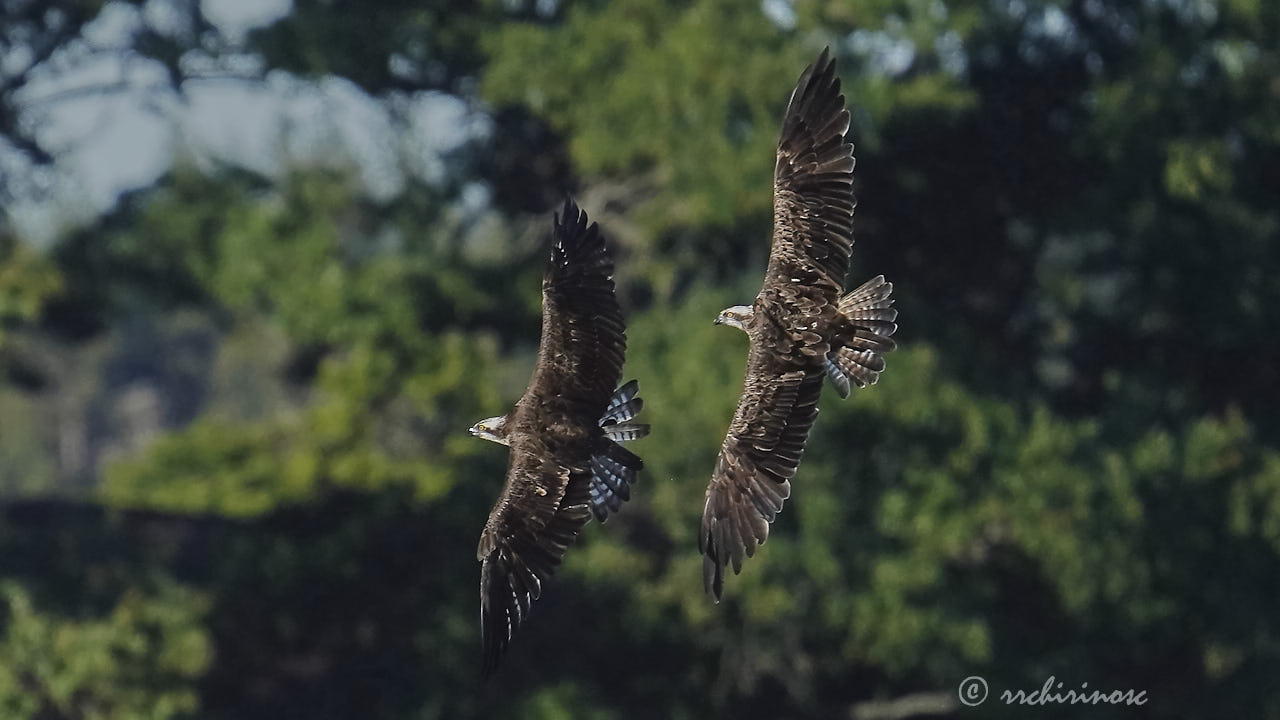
801, 326
564, 433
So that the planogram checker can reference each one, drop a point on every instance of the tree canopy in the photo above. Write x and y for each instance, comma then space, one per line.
234, 465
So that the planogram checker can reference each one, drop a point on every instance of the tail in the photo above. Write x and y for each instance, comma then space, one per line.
614, 468
860, 360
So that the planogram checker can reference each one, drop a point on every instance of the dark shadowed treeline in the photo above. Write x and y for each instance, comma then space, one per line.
233, 407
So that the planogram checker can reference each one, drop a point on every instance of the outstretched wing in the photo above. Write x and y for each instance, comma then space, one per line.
583, 335
759, 457
540, 513
812, 192
546, 501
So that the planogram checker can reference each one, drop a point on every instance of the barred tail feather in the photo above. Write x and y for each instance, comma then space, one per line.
868, 307
861, 367
613, 467
613, 470
627, 432
623, 406
837, 377
610, 485
860, 361
874, 293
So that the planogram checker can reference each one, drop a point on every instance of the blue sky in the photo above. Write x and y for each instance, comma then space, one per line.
110, 142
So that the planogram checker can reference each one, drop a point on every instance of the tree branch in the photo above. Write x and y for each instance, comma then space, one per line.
925, 704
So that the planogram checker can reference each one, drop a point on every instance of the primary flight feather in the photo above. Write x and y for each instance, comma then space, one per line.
566, 464
801, 328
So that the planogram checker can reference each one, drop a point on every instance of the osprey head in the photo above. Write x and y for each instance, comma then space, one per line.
736, 316
493, 429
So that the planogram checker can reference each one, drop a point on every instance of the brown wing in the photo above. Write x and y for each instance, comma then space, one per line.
759, 457
583, 335
545, 501
542, 509
812, 193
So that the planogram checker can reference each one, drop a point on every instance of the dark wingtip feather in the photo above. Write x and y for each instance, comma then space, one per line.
572, 228
494, 635
570, 211
712, 578
715, 545
824, 59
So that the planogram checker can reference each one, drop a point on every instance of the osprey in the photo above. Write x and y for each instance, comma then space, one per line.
800, 326
563, 434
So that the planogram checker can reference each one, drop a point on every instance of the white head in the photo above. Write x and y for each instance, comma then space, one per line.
493, 429
736, 316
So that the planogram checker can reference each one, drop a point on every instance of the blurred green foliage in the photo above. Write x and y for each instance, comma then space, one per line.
26, 280
141, 661
235, 407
